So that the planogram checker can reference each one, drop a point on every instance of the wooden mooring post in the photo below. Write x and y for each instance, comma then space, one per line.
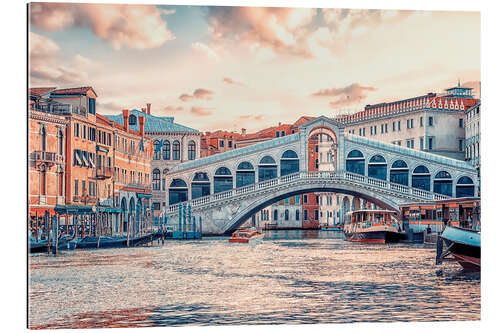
439, 250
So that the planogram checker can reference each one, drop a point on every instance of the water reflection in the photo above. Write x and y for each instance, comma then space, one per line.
291, 277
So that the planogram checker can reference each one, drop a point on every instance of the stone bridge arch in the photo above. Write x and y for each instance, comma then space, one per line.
248, 209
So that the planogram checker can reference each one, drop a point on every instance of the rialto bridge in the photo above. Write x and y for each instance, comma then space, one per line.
226, 189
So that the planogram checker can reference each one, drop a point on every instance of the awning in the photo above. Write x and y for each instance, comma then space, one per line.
77, 157
99, 148
84, 159
91, 162
73, 209
144, 195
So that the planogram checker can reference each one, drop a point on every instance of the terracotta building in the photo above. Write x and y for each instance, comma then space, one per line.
93, 148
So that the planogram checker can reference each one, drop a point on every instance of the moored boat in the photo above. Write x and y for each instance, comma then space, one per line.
331, 227
246, 236
373, 226
464, 245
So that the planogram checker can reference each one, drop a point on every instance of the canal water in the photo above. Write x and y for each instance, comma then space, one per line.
291, 277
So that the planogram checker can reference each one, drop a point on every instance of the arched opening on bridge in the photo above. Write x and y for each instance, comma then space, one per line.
223, 180
421, 178
443, 183
322, 149
267, 168
464, 187
399, 173
377, 167
355, 162
200, 186
124, 214
177, 192
289, 163
245, 174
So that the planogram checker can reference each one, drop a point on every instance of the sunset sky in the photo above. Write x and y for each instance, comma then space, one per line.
232, 67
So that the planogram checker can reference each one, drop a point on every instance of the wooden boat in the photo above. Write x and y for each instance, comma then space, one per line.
465, 246
246, 236
332, 227
373, 226
91, 242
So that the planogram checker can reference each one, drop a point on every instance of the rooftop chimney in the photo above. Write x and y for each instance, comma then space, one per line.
243, 131
143, 110
125, 120
149, 107
141, 126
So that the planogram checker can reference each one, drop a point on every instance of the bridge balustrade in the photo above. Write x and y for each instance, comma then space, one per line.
312, 175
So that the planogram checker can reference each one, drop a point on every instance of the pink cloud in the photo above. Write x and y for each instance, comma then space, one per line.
201, 112
199, 93
134, 26
171, 108
350, 94
228, 80
46, 68
282, 29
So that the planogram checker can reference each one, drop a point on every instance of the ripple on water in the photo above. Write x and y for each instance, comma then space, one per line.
288, 279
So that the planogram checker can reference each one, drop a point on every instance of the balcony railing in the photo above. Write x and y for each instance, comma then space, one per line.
85, 199
104, 172
46, 156
61, 109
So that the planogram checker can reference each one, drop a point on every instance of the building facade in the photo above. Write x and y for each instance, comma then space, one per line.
473, 135
172, 144
432, 123
106, 169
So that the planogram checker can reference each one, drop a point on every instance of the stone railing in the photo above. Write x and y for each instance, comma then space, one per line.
326, 175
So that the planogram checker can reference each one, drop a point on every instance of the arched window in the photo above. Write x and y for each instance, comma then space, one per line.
156, 179
132, 120
176, 150
464, 187
191, 150
43, 138
178, 192
166, 150
297, 214
200, 186
223, 180
157, 148
377, 167
421, 178
443, 183
267, 168
286, 215
245, 174
399, 173
60, 137
289, 163
355, 162
275, 215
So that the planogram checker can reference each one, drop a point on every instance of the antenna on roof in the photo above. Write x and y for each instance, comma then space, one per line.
459, 82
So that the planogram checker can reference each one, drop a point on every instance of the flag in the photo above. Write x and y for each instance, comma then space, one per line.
158, 146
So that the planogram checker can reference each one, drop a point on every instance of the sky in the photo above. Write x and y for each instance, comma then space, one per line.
249, 67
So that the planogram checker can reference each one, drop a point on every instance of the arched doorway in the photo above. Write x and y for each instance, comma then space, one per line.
464, 187
267, 168
245, 174
177, 192
355, 162
421, 178
289, 163
322, 149
443, 183
399, 173
200, 186
377, 167
124, 215
223, 180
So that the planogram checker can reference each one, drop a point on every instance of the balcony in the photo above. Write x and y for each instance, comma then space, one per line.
85, 199
104, 173
46, 157
60, 109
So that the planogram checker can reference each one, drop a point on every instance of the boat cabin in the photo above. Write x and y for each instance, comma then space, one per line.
368, 217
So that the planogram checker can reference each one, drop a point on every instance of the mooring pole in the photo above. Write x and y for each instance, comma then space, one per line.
439, 250
55, 227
